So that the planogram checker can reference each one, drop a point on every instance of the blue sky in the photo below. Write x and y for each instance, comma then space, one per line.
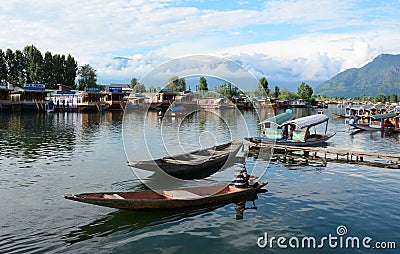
287, 41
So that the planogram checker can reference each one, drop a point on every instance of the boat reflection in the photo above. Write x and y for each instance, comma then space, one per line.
240, 207
121, 220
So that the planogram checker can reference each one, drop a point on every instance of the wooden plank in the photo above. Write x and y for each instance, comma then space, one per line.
352, 157
112, 196
180, 194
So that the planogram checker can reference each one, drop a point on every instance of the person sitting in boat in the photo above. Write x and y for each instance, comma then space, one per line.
264, 135
388, 123
307, 135
285, 133
242, 177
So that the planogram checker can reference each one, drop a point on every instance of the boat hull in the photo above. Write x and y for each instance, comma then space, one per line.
257, 142
186, 166
367, 128
156, 200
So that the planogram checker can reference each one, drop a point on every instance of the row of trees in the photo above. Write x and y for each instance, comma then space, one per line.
392, 98
30, 66
177, 84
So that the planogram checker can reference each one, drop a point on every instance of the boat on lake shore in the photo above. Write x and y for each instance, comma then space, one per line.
378, 122
169, 199
194, 165
288, 135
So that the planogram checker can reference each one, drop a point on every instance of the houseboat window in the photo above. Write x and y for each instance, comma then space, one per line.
273, 133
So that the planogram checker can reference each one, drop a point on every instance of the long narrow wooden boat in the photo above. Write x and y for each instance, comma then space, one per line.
195, 165
296, 137
169, 199
337, 115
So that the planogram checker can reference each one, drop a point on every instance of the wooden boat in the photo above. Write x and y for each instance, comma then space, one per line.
278, 120
337, 115
290, 136
195, 165
169, 199
378, 122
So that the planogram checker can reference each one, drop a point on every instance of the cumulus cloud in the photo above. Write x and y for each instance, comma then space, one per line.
124, 39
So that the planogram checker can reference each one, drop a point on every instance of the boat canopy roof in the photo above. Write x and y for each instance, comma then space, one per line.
177, 108
383, 116
280, 119
308, 121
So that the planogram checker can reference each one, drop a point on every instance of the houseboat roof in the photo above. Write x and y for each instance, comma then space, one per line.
383, 116
308, 121
281, 118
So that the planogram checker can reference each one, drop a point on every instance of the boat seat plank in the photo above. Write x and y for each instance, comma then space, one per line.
112, 196
180, 194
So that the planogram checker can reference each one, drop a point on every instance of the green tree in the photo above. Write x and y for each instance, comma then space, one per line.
136, 86
139, 88
181, 85
288, 95
228, 90
58, 69
263, 86
70, 71
176, 84
203, 84
393, 98
380, 98
3, 66
87, 77
305, 91
152, 89
133, 83
277, 92
48, 71
34, 64
16, 67
172, 83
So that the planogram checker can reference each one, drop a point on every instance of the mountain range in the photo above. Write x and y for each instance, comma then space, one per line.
381, 76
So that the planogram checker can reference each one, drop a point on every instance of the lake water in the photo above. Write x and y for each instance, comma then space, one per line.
44, 156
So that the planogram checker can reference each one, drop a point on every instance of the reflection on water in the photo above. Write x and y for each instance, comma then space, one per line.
44, 156
31, 137
130, 221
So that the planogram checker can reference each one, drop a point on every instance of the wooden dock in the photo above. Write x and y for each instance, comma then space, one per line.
324, 155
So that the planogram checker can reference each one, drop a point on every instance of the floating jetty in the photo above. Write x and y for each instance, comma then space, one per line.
310, 154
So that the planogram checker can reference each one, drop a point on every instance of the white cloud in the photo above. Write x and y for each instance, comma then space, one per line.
323, 37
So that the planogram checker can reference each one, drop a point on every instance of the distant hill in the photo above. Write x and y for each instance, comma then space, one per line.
381, 76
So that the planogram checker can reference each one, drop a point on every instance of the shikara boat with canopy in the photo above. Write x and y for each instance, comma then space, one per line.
194, 165
379, 122
298, 132
272, 126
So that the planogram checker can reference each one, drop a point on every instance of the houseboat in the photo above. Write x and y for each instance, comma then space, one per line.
114, 99
300, 103
64, 101
5, 100
32, 97
136, 100
160, 101
282, 104
91, 100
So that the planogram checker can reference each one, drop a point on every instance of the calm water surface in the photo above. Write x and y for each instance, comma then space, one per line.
43, 156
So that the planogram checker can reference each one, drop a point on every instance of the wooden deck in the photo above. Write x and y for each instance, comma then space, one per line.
306, 154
